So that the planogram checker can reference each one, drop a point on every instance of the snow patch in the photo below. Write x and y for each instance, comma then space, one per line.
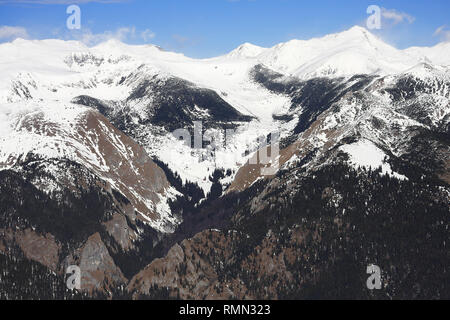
365, 154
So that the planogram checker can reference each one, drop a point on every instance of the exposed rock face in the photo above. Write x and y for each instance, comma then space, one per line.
119, 229
251, 172
43, 249
98, 270
125, 164
40, 248
192, 269
86, 137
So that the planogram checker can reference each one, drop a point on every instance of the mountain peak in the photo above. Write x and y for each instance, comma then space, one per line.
246, 50
357, 29
111, 47
354, 33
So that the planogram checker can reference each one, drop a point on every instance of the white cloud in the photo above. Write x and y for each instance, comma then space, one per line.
147, 35
11, 33
443, 32
396, 17
123, 34
85, 35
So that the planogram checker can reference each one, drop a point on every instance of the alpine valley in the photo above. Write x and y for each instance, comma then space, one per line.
92, 175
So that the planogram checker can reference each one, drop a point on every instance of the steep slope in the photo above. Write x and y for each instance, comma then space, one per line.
82, 135
390, 115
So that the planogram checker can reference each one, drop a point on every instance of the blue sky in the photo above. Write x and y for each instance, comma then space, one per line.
205, 28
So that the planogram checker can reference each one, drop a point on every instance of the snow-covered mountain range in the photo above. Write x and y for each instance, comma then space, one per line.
98, 122
48, 86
